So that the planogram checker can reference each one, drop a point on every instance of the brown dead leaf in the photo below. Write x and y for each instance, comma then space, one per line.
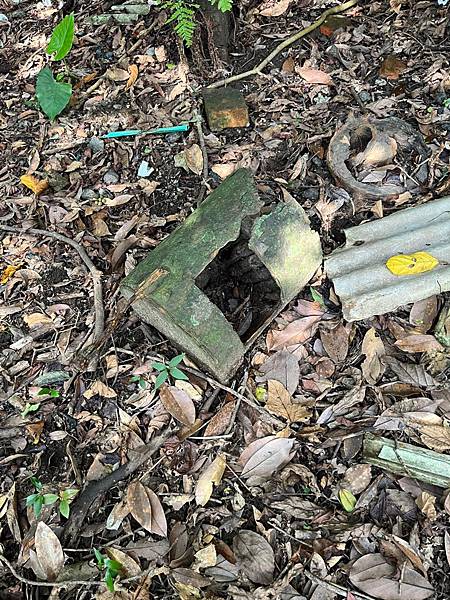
314, 75
280, 403
158, 520
274, 8
335, 342
117, 74
211, 475
130, 567
357, 478
392, 67
49, 551
178, 404
427, 504
34, 184
373, 348
373, 575
288, 65
297, 332
134, 72
98, 388
282, 366
423, 313
254, 556
194, 159
381, 150
436, 437
139, 504
447, 545
418, 343
271, 454
220, 421
37, 320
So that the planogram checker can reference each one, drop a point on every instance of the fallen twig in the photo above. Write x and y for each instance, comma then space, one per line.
285, 44
94, 489
94, 272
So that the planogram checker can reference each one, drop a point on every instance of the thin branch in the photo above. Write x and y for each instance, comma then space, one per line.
285, 44
94, 272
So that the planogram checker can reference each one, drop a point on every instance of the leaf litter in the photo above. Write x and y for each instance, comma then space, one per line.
243, 498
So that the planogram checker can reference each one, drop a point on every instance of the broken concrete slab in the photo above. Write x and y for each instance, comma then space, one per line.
225, 108
358, 271
165, 288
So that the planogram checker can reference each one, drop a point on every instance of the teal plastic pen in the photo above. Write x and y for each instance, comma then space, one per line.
130, 132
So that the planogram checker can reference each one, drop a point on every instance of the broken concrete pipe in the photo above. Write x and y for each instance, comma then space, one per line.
166, 284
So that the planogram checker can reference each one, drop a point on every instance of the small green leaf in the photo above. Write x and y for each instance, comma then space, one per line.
113, 565
64, 508
100, 558
109, 580
44, 391
28, 409
142, 384
49, 498
52, 96
37, 506
62, 38
317, 297
159, 367
162, 377
68, 494
37, 484
348, 500
175, 360
260, 393
29, 500
177, 374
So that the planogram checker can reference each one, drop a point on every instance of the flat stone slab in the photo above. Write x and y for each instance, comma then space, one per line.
164, 283
359, 273
225, 108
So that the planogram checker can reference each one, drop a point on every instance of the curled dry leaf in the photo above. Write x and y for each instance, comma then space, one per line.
373, 348
427, 504
373, 575
220, 421
272, 453
145, 507
134, 72
178, 404
98, 388
34, 184
418, 343
281, 403
254, 556
49, 551
211, 475
436, 437
297, 332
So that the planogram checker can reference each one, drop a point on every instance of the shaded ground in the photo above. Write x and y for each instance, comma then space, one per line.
92, 416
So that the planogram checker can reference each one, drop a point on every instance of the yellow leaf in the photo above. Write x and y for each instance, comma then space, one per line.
212, 474
411, 264
348, 500
8, 273
134, 72
34, 184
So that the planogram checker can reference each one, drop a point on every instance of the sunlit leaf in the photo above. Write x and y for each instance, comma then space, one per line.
348, 500
212, 474
411, 264
35, 185
62, 38
134, 72
48, 550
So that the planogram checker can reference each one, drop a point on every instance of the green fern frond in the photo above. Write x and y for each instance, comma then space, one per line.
182, 14
223, 5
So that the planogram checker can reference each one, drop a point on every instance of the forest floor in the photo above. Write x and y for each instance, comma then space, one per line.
260, 490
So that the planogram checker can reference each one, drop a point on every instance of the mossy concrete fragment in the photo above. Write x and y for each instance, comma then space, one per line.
163, 286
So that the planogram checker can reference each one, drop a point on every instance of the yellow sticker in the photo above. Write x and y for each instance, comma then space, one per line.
411, 264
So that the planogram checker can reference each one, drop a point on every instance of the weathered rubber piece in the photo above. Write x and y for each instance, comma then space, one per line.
172, 302
340, 147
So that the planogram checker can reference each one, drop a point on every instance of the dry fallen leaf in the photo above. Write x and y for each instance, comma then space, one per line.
314, 75
7, 273
373, 575
178, 404
373, 348
411, 264
423, 313
254, 556
271, 454
418, 343
436, 437
98, 388
34, 184
297, 332
49, 551
139, 504
220, 421
357, 478
427, 504
280, 403
134, 72
392, 67
130, 567
335, 342
274, 8
282, 366
211, 475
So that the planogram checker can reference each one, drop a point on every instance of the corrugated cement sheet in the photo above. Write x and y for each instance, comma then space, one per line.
361, 279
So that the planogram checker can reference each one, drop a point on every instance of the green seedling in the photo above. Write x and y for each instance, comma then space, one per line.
446, 103
139, 380
29, 408
111, 567
45, 391
53, 95
39, 499
317, 297
169, 370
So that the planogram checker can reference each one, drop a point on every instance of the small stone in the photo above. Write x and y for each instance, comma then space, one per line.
225, 108
110, 177
96, 145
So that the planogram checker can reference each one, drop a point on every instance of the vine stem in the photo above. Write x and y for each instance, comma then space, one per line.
285, 44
